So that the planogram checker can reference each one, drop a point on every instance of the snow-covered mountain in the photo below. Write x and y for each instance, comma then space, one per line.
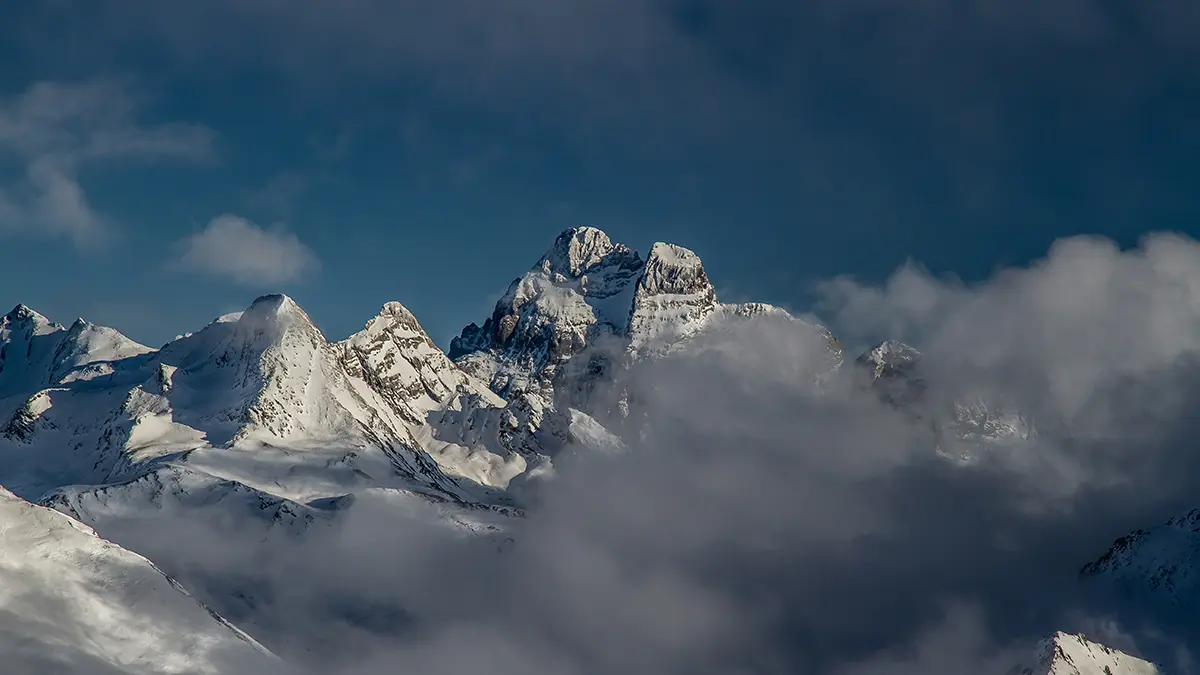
71, 602
559, 340
1067, 654
35, 352
260, 424
963, 420
1160, 564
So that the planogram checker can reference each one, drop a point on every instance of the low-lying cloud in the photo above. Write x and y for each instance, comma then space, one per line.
759, 524
235, 249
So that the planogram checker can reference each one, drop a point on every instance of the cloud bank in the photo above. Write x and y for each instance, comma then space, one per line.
235, 249
760, 524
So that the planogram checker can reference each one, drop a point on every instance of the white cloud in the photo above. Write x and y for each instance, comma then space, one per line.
234, 248
54, 129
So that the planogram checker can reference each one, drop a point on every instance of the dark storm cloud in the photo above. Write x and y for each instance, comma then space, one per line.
963, 65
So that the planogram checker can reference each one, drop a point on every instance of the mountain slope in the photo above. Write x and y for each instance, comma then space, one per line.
71, 602
1160, 564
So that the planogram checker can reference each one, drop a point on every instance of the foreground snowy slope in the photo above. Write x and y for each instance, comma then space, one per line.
1067, 654
71, 602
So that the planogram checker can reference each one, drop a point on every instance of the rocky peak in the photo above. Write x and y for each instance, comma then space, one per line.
578, 250
583, 283
1068, 654
396, 310
396, 358
890, 358
673, 300
674, 270
23, 318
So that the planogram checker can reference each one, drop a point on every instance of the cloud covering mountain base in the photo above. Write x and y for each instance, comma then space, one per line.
766, 516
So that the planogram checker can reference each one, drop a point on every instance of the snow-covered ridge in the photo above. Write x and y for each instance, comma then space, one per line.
1160, 564
36, 352
103, 408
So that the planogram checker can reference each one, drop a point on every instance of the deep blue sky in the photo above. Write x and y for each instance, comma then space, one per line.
430, 152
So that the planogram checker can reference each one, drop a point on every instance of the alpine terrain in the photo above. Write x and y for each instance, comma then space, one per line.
261, 428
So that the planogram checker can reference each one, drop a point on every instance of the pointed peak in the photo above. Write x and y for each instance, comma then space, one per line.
393, 318
577, 250
272, 302
275, 305
1067, 652
274, 309
23, 313
395, 309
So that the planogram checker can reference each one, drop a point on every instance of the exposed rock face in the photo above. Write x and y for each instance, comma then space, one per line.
262, 377
582, 287
24, 420
590, 309
396, 358
543, 371
1067, 654
673, 301
890, 359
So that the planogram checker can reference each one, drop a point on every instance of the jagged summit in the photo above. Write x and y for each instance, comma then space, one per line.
579, 249
588, 310
21, 312
395, 309
395, 358
24, 315
674, 269
890, 358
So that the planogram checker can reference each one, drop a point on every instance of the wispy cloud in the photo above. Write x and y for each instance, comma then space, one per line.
231, 247
53, 129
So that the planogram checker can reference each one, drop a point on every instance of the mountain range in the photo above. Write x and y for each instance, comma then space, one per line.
259, 419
